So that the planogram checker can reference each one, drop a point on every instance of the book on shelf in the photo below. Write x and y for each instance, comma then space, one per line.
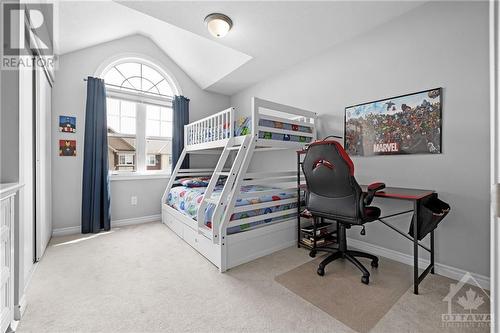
319, 233
319, 242
319, 227
310, 242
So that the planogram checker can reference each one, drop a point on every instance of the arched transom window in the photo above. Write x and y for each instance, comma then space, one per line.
138, 77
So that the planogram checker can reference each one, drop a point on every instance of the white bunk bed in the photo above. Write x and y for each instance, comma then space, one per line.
272, 224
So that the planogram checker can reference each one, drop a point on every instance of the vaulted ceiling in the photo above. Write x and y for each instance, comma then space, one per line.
267, 37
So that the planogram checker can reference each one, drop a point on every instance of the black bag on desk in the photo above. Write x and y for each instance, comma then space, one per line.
431, 211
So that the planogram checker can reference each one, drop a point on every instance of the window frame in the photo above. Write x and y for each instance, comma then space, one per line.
141, 143
141, 99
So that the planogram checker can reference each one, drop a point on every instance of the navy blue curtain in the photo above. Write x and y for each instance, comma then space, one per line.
180, 108
95, 195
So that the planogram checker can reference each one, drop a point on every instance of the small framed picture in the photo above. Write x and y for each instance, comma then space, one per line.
67, 124
67, 147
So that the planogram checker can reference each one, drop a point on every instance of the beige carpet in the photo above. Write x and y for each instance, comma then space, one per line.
145, 279
341, 294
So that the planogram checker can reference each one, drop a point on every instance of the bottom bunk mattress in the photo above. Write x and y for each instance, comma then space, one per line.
187, 200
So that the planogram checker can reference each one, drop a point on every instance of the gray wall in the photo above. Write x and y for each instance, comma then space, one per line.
148, 192
435, 45
69, 99
9, 126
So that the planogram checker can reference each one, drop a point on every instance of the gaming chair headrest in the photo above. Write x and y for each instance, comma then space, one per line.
328, 169
323, 145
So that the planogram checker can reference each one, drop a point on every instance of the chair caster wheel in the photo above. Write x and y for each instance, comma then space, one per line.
312, 254
374, 263
321, 271
365, 279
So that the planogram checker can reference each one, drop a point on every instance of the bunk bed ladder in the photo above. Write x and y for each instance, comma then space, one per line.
222, 201
207, 197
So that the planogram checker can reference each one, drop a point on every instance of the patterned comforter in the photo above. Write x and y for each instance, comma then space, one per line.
187, 200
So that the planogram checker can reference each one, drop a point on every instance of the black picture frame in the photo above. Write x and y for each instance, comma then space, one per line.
396, 148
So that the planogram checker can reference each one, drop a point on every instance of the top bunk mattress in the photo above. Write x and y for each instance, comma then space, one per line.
187, 200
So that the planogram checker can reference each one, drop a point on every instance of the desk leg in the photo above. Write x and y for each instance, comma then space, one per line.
432, 251
415, 248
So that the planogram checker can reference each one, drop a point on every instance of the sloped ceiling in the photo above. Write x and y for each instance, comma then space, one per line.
267, 37
276, 34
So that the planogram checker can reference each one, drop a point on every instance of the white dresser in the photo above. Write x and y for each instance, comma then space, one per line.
7, 205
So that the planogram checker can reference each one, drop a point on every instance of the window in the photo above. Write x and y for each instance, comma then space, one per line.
137, 77
121, 116
151, 160
139, 115
126, 159
159, 121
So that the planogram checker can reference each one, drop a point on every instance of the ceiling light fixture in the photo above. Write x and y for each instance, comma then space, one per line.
218, 24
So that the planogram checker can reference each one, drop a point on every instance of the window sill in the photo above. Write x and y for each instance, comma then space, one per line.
138, 176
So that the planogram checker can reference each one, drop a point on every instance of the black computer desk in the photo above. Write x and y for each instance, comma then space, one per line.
414, 196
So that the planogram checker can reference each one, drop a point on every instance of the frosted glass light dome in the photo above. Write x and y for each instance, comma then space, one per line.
218, 24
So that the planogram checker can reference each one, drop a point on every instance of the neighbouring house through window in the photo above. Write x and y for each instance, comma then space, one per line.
139, 115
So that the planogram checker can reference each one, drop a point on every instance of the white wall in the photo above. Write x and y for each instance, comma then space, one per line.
435, 45
69, 96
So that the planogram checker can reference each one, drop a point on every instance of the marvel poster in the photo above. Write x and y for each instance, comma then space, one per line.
407, 124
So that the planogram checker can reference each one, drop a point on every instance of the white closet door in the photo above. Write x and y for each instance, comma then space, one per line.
26, 177
43, 158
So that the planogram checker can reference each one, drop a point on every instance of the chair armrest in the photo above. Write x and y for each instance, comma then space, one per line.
372, 189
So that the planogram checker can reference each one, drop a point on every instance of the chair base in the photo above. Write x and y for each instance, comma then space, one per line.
349, 255
343, 253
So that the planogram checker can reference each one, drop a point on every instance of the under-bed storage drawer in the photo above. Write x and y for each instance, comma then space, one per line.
201, 244
173, 224
190, 236
208, 249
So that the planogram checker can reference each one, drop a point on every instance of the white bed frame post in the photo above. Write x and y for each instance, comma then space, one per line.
255, 118
314, 120
231, 122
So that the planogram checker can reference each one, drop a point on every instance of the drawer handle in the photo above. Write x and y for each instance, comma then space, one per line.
196, 240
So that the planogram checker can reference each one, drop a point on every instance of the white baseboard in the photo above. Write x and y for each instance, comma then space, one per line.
136, 220
445, 270
66, 231
115, 223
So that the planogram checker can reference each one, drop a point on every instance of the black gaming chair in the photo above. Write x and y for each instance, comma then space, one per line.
334, 194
